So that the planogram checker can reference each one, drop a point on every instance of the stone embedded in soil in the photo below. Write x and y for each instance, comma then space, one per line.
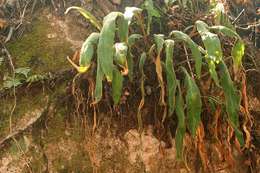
146, 147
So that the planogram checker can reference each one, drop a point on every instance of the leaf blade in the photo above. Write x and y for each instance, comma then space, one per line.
93, 20
237, 53
105, 49
193, 102
232, 100
87, 50
194, 49
170, 75
117, 86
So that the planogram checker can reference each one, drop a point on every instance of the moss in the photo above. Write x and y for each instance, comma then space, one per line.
39, 52
24, 105
79, 162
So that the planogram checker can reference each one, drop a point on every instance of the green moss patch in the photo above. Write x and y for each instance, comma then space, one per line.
44, 49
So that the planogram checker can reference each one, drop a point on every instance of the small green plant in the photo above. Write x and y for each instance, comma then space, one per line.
21, 75
180, 84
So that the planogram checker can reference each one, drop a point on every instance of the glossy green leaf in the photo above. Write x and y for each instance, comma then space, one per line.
170, 75
194, 49
213, 48
93, 20
117, 85
211, 42
232, 100
120, 54
237, 53
99, 84
87, 50
193, 102
212, 71
181, 127
105, 49
239, 47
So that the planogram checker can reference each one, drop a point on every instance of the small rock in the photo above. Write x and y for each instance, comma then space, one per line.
148, 90
52, 35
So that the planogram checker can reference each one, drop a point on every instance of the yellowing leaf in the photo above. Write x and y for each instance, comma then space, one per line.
159, 41
93, 20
